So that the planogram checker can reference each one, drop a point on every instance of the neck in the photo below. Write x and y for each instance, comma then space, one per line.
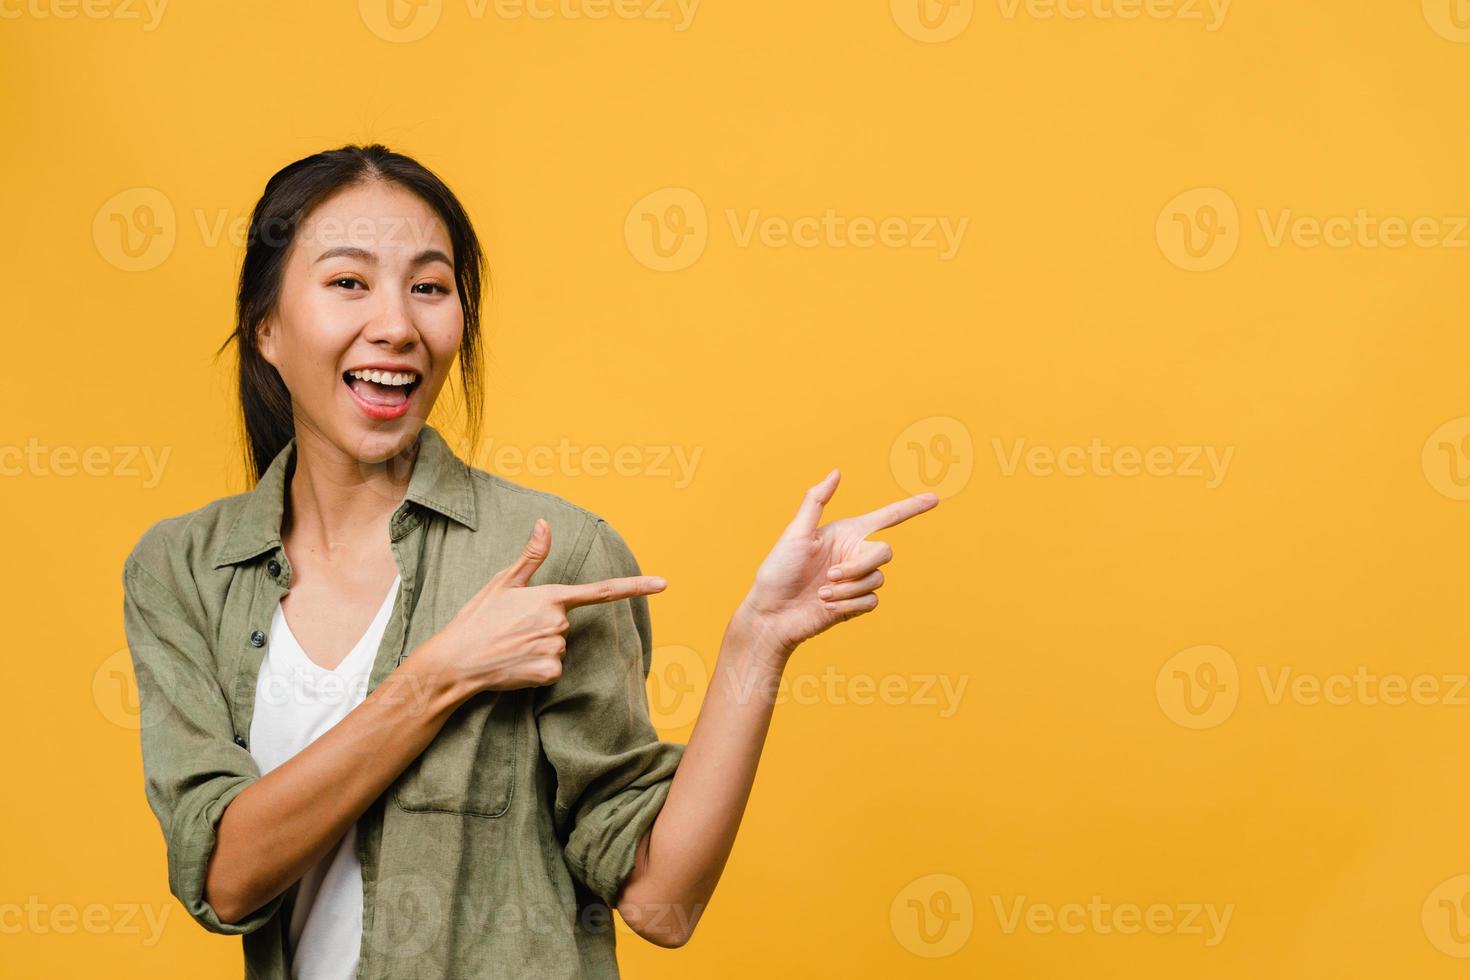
336, 503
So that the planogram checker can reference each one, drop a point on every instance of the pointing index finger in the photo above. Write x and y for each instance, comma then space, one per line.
609, 590
896, 512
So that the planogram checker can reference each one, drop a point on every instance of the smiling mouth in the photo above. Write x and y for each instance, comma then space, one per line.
385, 389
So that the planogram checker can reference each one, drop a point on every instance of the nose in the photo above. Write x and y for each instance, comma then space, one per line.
391, 322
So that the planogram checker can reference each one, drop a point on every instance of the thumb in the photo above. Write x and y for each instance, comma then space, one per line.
810, 511
519, 572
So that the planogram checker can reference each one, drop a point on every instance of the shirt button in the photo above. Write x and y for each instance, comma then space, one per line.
257, 639
274, 567
240, 740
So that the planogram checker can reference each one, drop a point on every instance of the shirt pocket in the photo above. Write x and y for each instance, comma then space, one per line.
471, 765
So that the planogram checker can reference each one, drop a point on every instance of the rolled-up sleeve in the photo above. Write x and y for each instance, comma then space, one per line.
613, 772
192, 767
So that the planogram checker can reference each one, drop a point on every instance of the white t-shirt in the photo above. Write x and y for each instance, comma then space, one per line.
295, 702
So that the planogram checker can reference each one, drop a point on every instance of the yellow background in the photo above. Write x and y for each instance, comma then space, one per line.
1077, 763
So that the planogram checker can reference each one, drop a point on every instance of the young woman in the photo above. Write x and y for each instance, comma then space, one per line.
394, 716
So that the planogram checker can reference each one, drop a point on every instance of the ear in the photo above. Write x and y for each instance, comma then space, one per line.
265, 340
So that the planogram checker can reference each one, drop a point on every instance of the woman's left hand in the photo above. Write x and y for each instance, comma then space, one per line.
816, 577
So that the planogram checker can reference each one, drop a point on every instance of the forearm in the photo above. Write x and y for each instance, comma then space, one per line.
287, 819
814, 578
681, 858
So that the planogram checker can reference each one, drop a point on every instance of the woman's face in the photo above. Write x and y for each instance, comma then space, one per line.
368, 320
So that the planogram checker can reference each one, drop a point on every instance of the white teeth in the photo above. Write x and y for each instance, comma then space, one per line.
385, 377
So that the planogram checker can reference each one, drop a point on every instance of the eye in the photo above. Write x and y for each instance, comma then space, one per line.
347, 282
431, 287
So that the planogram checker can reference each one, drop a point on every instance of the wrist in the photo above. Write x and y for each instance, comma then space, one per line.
749, 629
431, 673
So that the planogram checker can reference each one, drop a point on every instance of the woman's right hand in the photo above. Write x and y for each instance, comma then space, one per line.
511, 634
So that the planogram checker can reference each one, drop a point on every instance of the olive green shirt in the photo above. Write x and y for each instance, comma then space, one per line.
498, 852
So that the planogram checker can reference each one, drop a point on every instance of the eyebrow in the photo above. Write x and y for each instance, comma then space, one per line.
423, 258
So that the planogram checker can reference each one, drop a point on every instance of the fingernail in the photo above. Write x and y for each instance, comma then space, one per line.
659, 583
824, 592
835, 572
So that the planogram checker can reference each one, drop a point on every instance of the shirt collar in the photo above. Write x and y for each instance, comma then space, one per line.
440, 481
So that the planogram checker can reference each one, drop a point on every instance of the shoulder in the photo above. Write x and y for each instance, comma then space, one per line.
594, 547
174, 552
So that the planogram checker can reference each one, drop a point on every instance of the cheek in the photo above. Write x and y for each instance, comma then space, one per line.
323, 316
314, 336
443, 331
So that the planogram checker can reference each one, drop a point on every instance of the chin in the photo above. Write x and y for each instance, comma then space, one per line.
374, 443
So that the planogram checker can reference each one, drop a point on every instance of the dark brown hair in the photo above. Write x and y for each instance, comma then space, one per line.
265, 404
